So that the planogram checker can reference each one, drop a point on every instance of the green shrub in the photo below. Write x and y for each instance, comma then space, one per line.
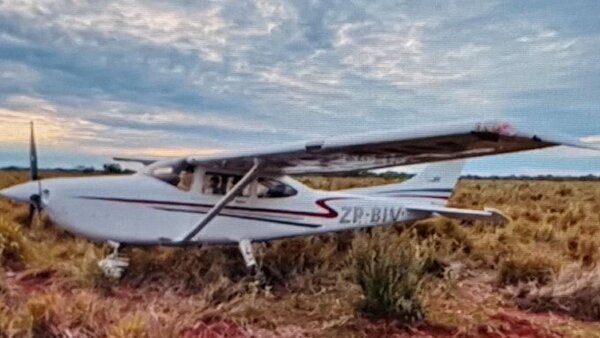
390, 273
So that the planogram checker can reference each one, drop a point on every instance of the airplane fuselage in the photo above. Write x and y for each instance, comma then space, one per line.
139, 209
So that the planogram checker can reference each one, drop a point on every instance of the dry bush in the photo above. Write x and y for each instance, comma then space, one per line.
581, 247
574, 291
33, 319
523, 266
306, 258
73, 259
14, 249
187, 269
132, 326
192, 269
391, 274
450, 239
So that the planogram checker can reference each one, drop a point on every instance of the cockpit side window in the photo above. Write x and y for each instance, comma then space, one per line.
185, 180
214, 184
220, 184
177, 175
271, 188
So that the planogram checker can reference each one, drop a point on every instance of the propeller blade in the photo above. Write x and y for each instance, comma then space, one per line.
35, 206
33, 163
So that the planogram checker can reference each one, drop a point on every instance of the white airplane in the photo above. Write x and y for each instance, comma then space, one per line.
247, 196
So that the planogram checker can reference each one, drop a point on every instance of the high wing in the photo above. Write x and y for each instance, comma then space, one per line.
388, 149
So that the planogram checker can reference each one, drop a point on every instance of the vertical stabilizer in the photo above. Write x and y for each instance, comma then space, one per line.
434, 184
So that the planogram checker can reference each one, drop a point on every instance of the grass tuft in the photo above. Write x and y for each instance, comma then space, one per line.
391, 274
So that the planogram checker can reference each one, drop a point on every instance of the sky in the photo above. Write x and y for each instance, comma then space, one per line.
157, 78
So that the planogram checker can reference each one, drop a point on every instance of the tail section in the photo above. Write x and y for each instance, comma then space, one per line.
433, 185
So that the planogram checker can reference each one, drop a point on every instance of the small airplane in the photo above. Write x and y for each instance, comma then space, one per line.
248, 196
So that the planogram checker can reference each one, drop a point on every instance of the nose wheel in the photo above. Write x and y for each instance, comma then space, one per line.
115, 264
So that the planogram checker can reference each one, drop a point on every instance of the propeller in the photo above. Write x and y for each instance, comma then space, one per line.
35, 206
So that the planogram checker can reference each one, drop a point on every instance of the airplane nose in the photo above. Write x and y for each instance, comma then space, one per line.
21, 192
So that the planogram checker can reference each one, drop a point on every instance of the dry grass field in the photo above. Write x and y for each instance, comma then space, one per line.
536, 276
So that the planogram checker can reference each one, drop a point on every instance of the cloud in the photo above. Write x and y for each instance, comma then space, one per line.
14, 128
591, 139
153, 152
174, 119
186, 75
563, 152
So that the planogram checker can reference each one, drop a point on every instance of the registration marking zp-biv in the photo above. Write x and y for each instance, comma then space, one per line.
366, 215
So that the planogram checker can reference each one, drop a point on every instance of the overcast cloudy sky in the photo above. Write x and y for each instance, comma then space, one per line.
105, 78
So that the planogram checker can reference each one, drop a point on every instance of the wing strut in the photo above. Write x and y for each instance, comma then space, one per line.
214, 211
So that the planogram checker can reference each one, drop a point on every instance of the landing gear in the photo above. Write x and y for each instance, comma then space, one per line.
114, 265
245, 247
248, 254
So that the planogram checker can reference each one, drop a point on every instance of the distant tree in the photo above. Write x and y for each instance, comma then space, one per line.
88, 170
113, 168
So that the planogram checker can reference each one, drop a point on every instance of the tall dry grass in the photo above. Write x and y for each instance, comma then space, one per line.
49, 280
574, 290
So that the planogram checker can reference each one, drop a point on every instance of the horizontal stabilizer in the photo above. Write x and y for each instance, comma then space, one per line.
488, 214
144, 161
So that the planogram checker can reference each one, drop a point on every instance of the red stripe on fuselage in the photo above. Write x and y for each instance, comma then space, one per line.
331, 213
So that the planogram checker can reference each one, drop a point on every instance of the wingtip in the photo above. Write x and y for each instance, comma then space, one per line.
516, 127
